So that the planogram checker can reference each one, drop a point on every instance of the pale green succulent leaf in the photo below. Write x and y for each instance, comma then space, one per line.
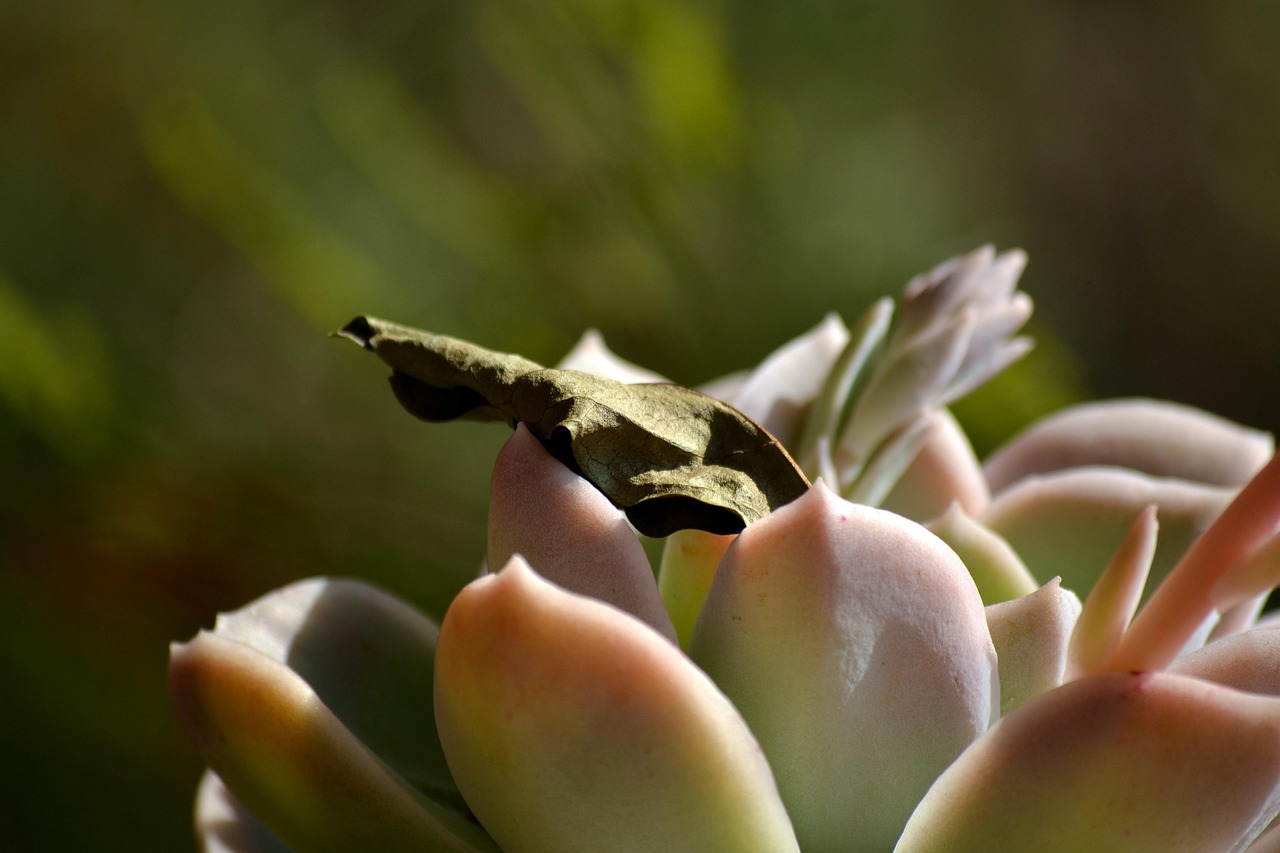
945, 471
855, 645
1184, 602
1070, 523
367, 655
557, 521
1151, 436
872, 482
830, 410
907, 382
780, 392
688, 565
295, 766
1031, 635
981, 366
571, 726
1112, 762
1248, 661
995, 567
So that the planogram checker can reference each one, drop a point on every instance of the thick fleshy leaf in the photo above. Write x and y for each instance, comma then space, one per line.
869, 481
1031, 635
996, 570
1070, 523
1112, 762
953, 334
1152, 436
983, 285
1241, 617
224, 825
367, 655
689, 561
1248, 661
1113, 600
944, 471
993, 347
670, 457
980, 279
570, 726
294, 765
911, 381
540, 509
778, 393
855, 644
1257, 574
1184, 601
848, 374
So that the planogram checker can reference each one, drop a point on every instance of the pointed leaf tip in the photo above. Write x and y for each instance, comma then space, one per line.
359, 330
849, 637
570, 726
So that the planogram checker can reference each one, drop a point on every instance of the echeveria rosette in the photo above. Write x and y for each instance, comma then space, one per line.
842, 673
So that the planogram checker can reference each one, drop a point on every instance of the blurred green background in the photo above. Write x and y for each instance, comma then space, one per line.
192, 194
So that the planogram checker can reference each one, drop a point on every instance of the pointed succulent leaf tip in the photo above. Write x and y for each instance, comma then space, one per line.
571, 726
983, 283
671, 458
945, 470
689, 561
931, 299
1031, 636
1184, 600
223, 825
992, 348
1248, 661
1113, 599
540, 509
294, 765
779, 392
1070, 523
1117, 761
592, 355
1152, 436
996, 570
849, 638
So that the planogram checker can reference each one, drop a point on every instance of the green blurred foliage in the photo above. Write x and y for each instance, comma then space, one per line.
192, 194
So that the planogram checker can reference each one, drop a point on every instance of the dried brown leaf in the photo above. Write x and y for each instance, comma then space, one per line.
670, 457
